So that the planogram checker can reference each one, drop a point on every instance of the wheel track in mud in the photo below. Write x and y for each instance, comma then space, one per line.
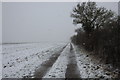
72, 68
46, 66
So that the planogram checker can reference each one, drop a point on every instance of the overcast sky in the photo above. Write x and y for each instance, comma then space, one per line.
0, 22
36, 22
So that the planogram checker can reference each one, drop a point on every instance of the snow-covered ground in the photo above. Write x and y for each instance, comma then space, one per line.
91, 68
50, 60
20, 60
87, 67
0, 61
58, 69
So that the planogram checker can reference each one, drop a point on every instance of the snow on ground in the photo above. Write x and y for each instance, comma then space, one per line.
21, 60
58, 69
89, 68
0, 61
86, 66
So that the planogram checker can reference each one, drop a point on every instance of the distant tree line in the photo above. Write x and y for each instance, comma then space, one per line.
100, 31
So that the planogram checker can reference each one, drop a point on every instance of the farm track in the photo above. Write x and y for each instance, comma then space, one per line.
45, 66
72, 68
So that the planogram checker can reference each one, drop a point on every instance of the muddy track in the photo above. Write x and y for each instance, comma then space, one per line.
45, 66
72, 68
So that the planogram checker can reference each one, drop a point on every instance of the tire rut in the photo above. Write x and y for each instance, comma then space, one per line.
46, 66
72, 68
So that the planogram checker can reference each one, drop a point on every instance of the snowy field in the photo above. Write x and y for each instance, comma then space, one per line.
21, 60
0, 61
50, 60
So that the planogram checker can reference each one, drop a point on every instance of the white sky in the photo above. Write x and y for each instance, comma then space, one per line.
58, 0
0, 22
31, 22
42, 21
